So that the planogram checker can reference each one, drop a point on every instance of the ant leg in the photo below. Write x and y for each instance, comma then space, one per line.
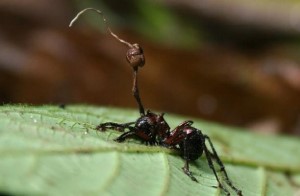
187, 171
186, 168
114, 126
211, 165
220, 163
119, 127
125, 135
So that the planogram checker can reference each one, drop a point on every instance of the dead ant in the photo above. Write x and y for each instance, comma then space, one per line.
152, 129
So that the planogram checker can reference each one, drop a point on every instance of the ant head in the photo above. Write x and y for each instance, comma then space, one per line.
135, 56
157, 120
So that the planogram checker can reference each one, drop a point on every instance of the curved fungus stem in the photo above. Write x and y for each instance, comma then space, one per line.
135, 55
105, 22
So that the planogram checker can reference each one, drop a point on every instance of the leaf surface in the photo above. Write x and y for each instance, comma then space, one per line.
54, 151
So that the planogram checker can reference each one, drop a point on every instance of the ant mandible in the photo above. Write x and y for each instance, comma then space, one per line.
152, 129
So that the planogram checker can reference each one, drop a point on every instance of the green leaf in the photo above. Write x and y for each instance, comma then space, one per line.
52, 151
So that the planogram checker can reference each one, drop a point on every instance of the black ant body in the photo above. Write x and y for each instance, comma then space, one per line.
152, 129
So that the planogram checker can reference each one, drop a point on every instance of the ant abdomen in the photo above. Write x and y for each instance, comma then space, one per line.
191, 148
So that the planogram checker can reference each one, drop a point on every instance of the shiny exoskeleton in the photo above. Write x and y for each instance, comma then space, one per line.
152, 129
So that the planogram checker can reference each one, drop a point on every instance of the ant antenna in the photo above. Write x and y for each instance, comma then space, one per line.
135, 56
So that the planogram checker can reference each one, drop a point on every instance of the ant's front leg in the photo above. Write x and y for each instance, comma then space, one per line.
134, 132
114, 126
119, 127
125, 135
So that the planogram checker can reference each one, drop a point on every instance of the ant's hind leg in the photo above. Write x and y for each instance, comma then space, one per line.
211, 165
114, 126
187, 171
220, 163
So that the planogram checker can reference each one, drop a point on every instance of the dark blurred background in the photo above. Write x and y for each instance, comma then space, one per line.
234, 62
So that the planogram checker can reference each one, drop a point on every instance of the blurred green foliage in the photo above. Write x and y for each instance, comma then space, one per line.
154, 21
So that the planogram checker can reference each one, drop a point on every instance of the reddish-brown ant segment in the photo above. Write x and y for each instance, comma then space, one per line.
152, 128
